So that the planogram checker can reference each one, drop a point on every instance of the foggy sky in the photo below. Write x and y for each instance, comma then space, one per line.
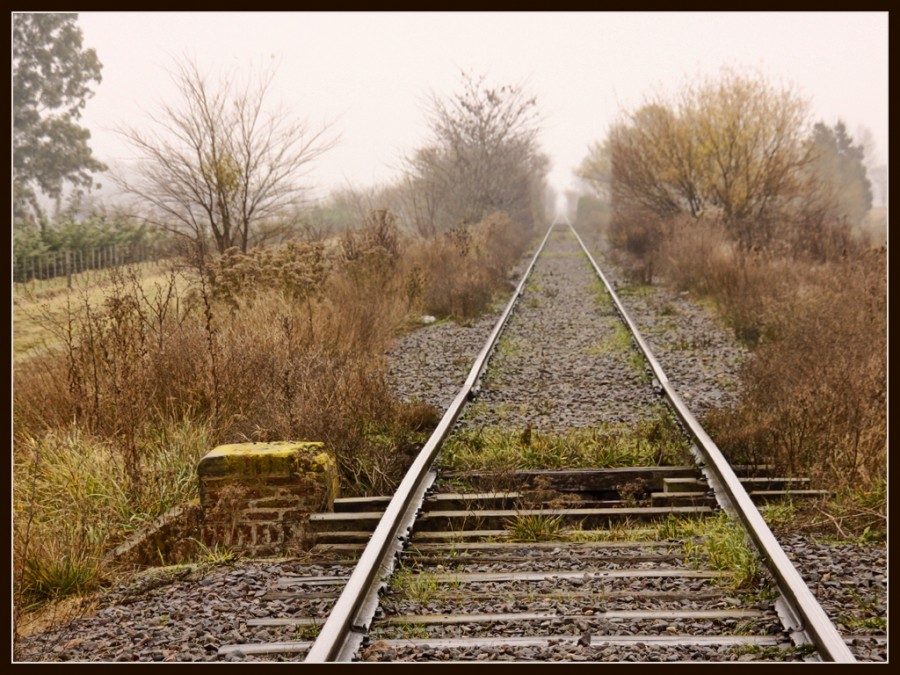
371, 74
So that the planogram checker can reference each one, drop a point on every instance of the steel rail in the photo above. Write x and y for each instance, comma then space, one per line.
345, 627
807, 614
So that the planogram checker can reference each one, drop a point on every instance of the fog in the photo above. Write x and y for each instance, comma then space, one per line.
371, 75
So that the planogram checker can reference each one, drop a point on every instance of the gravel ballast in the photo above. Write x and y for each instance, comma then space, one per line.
189, 618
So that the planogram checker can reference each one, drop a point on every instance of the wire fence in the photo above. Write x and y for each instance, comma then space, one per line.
56, 265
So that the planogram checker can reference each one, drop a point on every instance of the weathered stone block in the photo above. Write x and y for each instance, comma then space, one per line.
292, 479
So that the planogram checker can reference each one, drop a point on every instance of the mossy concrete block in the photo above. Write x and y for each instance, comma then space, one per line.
279, 458
257, 497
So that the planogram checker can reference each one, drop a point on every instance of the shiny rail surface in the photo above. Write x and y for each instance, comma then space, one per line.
347, 624
805, 613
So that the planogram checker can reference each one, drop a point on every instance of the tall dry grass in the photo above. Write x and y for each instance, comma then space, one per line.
457, 273
281, 343
815, 391
813, 306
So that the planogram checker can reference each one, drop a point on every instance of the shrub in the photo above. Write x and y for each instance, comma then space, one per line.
459, 273
275, 344
815, 394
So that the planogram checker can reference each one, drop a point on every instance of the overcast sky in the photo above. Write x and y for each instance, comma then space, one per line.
371, 74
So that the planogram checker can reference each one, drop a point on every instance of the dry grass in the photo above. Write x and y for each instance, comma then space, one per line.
813, 305
39, 306
815, 392
458, 273
148, 374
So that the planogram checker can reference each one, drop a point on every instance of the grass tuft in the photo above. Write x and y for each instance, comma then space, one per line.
716, 542
535, 527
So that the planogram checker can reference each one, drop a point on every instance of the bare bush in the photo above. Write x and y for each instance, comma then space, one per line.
275, 344
815, 391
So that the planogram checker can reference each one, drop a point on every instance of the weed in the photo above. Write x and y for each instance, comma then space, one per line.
534, 527
781, 514
417, 586
773, 653
668, 310
603, 303
214, 555
307, 632
869, 623
719, 543
48, 578
533, 286
638, 365
412, 631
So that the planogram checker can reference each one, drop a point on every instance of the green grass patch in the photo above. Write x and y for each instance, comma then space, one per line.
535, 527
491, 448
510, 347
602, 299
635, 290
533, 286
618, 342
621, 530
73, 501
716, 542
418, 586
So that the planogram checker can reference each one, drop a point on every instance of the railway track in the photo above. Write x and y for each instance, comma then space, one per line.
570, 563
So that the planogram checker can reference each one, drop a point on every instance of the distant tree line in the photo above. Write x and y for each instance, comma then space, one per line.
220, 167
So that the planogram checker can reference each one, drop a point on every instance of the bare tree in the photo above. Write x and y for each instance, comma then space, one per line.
218, 160
483, 157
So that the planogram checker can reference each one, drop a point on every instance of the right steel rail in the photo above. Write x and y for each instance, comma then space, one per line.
808, 616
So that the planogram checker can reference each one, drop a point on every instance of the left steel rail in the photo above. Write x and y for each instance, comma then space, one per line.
347, 624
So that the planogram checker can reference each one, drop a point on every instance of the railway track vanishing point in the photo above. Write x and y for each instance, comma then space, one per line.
432, 571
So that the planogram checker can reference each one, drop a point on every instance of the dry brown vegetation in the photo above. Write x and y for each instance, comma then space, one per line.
814, 392
275, 344
726, 191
